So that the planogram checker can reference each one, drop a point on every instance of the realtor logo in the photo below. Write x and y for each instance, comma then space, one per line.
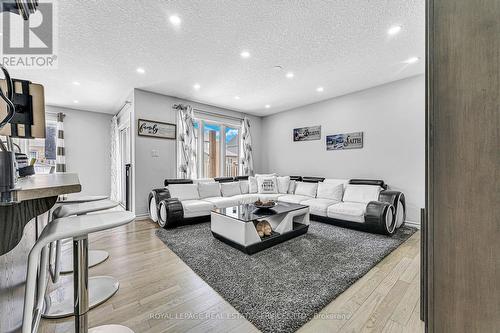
31, 43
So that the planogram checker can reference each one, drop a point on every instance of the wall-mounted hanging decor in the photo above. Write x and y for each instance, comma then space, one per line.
156, 129
307, 133
344, 141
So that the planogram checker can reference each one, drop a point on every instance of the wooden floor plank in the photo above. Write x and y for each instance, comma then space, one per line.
160, 293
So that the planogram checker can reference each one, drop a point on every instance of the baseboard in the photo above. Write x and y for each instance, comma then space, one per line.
413, 224
142, 216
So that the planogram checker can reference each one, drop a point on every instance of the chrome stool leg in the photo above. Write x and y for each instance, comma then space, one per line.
95, 258
80, 280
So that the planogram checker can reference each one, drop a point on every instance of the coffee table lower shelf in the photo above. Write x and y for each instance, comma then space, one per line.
266, 242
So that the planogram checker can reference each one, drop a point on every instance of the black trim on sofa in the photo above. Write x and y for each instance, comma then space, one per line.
393, 197
313, 179
237, 178
376, 214
177, 181
376, 182
174, 212
296, 178
224, 179
158, 194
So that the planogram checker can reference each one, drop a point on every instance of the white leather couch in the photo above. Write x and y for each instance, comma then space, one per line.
365, 204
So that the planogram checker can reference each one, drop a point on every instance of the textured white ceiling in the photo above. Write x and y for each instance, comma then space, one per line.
340, 45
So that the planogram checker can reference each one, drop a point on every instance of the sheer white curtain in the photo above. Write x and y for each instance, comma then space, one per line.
246, 154
115, 160
186, 142
60, 148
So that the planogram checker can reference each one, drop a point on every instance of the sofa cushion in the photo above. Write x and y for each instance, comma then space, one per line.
307, 189
223, 202
246, 198
283, 184
203, 180
291, 186
330, 191
267, 184
347, 211
361, 193
230, 189
184, 191
293, 198
318, 206
270, 196
194, 208
244, 186
252, 185
208, 190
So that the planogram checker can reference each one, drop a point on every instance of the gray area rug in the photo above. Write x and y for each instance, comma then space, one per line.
281, 288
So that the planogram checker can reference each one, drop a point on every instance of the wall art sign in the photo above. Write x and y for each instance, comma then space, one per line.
307, 133
344, 141
156, 129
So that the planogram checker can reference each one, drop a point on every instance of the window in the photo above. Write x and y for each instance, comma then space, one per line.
218, 147
42, 150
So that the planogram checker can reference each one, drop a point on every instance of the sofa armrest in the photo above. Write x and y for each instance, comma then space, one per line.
379, 216
397, 199
171, 213
155, 196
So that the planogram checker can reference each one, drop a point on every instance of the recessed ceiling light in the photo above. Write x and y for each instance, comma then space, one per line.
394, 30
412, 60
236, 97
290, 75
267, 106
175, 20
141, 70
245, 54
76, 83
196, 86
320, 89
75, 101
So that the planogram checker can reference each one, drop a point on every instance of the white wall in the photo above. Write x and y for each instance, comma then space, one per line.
87, 141
392, 117
150, 172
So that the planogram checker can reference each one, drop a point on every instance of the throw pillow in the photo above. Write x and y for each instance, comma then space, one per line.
291, 186
307, 189
361, 193
257, 175
267, 185
252, 185
330, 191
244, 186
209, 190
230, 189
283, 184
184, 191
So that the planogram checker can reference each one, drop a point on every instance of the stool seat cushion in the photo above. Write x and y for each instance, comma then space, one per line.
83, 208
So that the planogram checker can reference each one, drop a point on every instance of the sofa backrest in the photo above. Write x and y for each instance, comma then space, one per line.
177, 181
184, 191
361, 193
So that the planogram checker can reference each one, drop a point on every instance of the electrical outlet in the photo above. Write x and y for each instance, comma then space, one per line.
155, 153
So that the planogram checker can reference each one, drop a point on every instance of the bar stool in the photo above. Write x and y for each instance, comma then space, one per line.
58, 303
64, 264
78, 228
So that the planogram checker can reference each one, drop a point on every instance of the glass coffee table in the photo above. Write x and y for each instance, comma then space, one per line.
236, 226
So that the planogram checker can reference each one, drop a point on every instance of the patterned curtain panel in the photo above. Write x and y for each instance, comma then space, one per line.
186, 142
246, 155
115, 161
61, 153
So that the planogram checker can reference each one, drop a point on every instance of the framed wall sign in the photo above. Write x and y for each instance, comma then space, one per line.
307, 133
344, 141
156, 129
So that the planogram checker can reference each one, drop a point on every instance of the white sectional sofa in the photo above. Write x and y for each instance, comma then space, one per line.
359, 203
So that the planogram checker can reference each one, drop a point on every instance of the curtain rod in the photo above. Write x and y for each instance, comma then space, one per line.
217, 114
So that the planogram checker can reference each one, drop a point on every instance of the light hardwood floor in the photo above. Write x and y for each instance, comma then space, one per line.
159, 293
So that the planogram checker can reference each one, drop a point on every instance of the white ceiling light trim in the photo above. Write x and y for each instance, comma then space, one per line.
76, 101
76, 83
394, 30
412, 60
267, 106
196, 86
245, 54
236, 97
175, 20
290, 75
140, 70
320, 89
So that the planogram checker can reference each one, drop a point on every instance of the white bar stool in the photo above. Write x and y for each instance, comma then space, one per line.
58, 303
64, 264
78, 228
